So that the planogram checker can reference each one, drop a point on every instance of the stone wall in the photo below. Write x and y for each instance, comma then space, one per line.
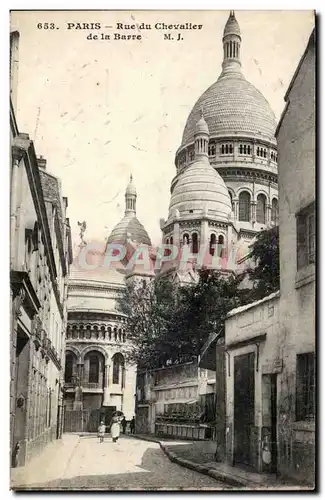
296, 142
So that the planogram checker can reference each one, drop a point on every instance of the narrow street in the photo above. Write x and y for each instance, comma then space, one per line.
129, 464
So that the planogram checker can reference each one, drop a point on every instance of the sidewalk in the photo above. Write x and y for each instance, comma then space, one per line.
50, 464
199, 456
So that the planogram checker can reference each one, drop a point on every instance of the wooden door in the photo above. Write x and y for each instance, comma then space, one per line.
244, 407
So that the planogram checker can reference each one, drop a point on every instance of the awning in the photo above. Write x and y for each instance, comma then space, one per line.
207, 359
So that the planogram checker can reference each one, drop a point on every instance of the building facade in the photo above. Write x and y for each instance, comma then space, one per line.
225, 190
296, 139
269, 347
40, 244
252, 364
176, 401
232, 128
98, 377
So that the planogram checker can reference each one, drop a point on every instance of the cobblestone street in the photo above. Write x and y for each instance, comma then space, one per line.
129, 464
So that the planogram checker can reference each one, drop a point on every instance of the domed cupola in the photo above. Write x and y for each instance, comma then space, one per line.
232, 106
200, 188
129, 227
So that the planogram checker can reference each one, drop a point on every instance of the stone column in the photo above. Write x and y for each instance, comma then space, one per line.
268, 215
106, 396
253, 212
204, 237
176, 239
236, 209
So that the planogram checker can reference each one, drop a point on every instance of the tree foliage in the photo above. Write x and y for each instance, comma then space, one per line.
169, 324
265, 274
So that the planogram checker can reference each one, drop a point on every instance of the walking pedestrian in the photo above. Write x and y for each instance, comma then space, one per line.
101, 431
132, 426
124, 424
115, 427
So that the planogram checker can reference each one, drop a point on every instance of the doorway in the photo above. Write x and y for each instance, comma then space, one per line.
20, 394
244, 408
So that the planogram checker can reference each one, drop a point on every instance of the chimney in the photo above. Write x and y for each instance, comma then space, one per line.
14, 62
41, 163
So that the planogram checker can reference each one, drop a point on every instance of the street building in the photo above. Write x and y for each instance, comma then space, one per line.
266, 364
40, 244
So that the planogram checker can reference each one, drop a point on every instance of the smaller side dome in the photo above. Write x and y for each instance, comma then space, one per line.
201, 126
131, 189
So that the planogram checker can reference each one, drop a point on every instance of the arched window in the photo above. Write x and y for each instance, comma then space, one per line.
241, 149
118, 368
261, 209
244, 206
186, 239
109, 332
221, 245
226, 149
171, 240
93, 369
258, 152
230, 149
222, 149
274, 211
248, 150
232, 203
244, 149
167, 241
195, 244
68, 374
213, 240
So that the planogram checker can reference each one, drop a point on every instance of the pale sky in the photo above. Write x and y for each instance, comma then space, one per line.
99, 110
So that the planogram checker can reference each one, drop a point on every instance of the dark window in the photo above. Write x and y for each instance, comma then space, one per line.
244, 206
306, 236
222, 150
118, 368
305, 387
261, 209
186, 239
171, 240
241, 149
221, 245
226, 149
230, 149
248, 150
274, 211
195, 245
213, 240
94, 369
68, 368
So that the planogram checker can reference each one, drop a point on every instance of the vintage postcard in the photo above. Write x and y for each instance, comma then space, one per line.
162, 250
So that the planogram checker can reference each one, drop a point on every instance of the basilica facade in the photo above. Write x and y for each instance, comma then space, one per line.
231, 128
224, 192
98, 378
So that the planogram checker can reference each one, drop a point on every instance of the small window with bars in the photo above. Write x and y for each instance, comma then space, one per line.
305, 387
306, 236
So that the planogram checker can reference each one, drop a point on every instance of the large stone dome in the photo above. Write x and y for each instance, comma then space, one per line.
200, 188
232, 106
